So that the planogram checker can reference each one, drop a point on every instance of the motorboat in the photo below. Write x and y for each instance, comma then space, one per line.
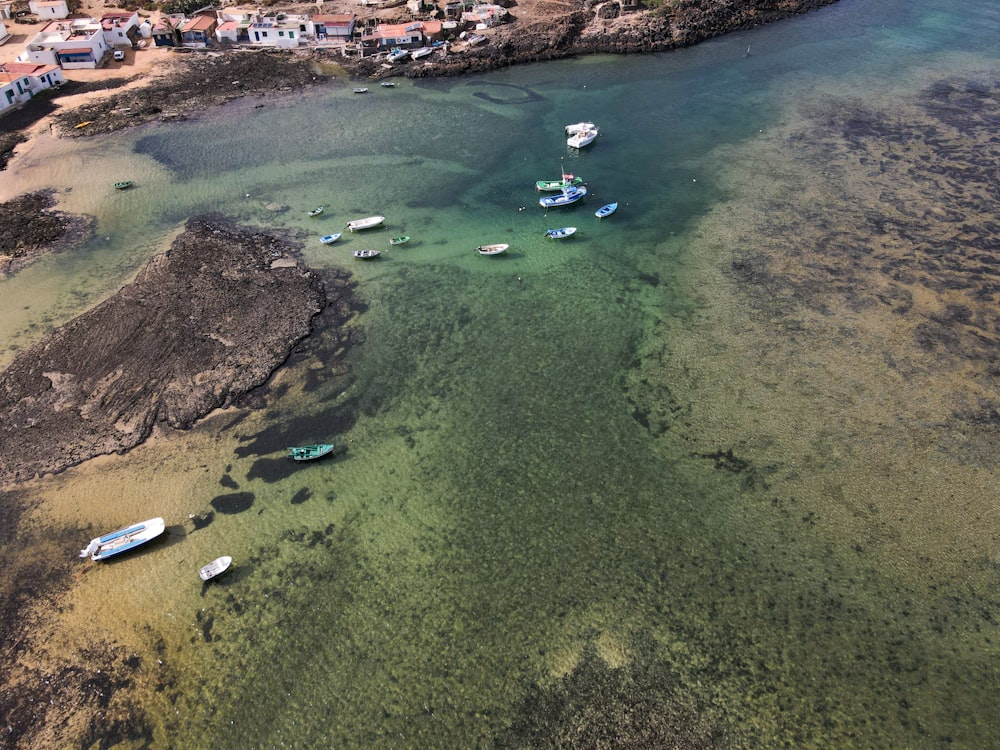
123, 540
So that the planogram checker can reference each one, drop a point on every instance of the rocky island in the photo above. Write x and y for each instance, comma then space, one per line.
195, 331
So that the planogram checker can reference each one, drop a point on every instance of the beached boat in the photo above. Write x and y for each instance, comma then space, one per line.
82, 124
329, 239
581, 139
316, 211
366, 223
606, 210
397, 55
361, 90
216, 568
492, 249
103, 547
421, 52
123, 185
551, 186
400, 240
567, 197
475, 39
559, 234
367, 254
579, 127
312, 452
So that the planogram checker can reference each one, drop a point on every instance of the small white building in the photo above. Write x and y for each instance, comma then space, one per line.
121, 29
72, 44
49, 10
20, 81
4, 34
283, 32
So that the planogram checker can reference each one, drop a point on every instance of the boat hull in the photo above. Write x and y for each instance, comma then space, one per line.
310, 452
553, 186
607, 210
568, 198
216, 568
123, 540
498, 249
367, 223
560, 234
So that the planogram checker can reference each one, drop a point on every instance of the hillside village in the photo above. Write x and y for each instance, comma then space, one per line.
64, 43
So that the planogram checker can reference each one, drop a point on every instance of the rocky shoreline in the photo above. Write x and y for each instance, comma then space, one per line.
194, 332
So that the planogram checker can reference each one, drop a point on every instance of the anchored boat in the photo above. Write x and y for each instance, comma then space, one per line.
216, 568
311, 452
366, 223
103, 547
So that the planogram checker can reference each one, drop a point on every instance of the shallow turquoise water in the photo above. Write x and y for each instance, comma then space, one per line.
507, 550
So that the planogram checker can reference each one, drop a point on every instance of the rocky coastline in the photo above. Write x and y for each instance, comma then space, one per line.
194, 332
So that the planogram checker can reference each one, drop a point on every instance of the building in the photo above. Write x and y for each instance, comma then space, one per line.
335, 27
198, 31
72, 44
21, 81
49, 10
282, 31
121, 29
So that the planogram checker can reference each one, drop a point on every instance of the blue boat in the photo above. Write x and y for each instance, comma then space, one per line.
329, 239
312, 452
606, 210
103, 547
568, 196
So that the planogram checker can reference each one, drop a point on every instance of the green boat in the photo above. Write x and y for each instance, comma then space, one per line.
123, 185
552, 186
399, 240
310, 452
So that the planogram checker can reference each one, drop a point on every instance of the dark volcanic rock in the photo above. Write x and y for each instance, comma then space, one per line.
200, 326
28, 228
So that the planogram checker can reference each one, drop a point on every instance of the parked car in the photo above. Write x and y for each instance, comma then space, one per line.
119, 55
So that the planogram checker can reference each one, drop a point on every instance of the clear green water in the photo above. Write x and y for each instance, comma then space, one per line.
552, 523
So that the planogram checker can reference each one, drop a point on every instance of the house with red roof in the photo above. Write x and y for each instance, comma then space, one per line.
199, 31
21, 81
333, 27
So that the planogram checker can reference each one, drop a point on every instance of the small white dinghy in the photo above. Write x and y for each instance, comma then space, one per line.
329, 239
560, 234
216, 568
366, 223
316, 211
579, 127
492, 249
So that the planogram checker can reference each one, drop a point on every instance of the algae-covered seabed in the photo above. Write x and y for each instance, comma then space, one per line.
731, 488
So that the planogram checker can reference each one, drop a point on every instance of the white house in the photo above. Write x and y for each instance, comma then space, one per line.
284, 32
121, 29
4, 34
72, 44
49, 10
20, 81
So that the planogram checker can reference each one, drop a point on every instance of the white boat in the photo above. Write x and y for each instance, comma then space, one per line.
581, 139
329, 239
123, 540
366, 223
567, 197
492, 249
421, 52
216, 568
361, 90
397, 55
606, 210
387, 84
476, 39
367, 254
559, 234
316, 211
578, 127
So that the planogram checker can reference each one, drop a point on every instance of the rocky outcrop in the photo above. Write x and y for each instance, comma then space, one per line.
29, 228
200, 326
